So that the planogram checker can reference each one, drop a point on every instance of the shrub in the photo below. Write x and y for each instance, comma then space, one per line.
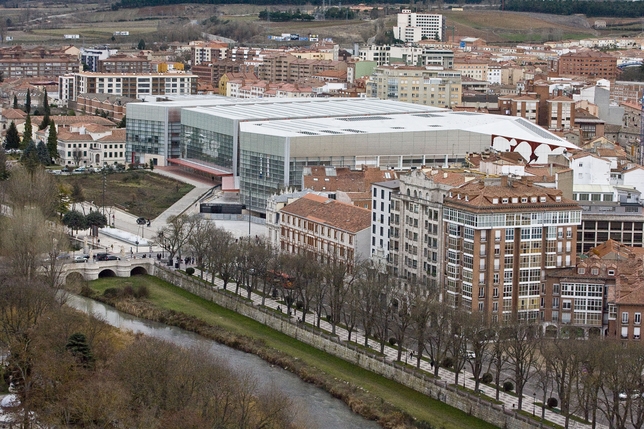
392, 341
299, 305
111, 292
508, 386
190, 271
142, 292
128, 291
86, 291
552, 402
448, 362
487, 378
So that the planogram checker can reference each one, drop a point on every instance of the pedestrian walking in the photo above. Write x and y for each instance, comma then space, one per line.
431, 363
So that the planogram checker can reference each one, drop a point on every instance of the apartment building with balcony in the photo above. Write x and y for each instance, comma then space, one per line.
125, 64
602, 295
416, 224
588, 63
419, 85
382, 193
129, 85
18, 63
501, 237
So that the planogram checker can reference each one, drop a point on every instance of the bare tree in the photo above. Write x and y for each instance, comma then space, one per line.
421, 310
403, 317
368, 295
176, 234
350, 310
439, 333
522, 350
499, 358
199, 240
478, 334
339, 278
26, 240
564, 359
32, 190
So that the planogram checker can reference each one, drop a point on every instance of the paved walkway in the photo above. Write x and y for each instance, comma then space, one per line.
391, 354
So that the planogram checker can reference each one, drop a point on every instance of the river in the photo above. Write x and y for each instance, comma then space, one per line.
314, 404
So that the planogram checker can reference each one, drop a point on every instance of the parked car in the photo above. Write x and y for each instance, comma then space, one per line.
633, 394
101, 256
80, 170
81, 258
112, 258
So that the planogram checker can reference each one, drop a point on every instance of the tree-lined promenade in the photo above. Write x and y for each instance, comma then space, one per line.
593, 378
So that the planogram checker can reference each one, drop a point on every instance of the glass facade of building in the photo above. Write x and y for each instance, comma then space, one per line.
206, 145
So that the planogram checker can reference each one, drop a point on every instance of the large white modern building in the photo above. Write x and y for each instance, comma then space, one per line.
265, 144
413, 27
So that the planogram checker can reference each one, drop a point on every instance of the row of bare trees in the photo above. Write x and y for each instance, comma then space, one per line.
71, 370
586, 376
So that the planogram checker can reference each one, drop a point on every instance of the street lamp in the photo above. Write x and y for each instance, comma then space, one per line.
534, 402
137, 246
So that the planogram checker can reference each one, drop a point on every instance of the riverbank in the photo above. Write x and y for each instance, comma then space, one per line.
372, 396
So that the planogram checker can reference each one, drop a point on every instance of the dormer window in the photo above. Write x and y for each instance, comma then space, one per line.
581, 270
558, 198
524, 200
515, 200
611, 272
533, 199
504, 201
594, 271
458, 196
542, 199
495, 201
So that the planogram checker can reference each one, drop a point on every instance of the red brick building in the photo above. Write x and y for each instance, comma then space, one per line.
588, 63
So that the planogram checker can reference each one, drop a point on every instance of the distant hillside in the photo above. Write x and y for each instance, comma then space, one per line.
590, 8
142, 3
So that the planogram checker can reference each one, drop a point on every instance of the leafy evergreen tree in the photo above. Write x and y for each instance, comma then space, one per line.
45, 122
13, 138
79, 348
43, 153
15, 101
74, 220
45, 104
123, 122
28, 102
30, 157
141, 45
95, 220
52, 140
27, 136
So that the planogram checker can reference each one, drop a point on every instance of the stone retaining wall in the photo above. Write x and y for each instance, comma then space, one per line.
437, 389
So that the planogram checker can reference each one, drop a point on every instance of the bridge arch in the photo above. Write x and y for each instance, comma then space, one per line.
137, 271
106, 273
74, 277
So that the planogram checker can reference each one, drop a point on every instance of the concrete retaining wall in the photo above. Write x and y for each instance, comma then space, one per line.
437, 389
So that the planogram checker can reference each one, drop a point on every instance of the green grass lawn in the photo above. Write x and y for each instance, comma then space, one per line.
416, 404
142, 193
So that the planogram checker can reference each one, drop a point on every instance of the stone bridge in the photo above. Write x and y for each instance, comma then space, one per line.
92, 270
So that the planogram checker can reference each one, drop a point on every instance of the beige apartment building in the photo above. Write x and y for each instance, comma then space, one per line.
501, 238
325, 228
476, 69
431, 86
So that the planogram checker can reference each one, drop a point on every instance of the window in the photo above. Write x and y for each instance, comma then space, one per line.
624, 318
637, 318
567, 304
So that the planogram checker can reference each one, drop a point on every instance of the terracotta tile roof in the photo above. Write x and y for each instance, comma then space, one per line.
330, 212
487, 195
329, 179
96, 128
75, 120
65, 135
118, 136
13, 114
